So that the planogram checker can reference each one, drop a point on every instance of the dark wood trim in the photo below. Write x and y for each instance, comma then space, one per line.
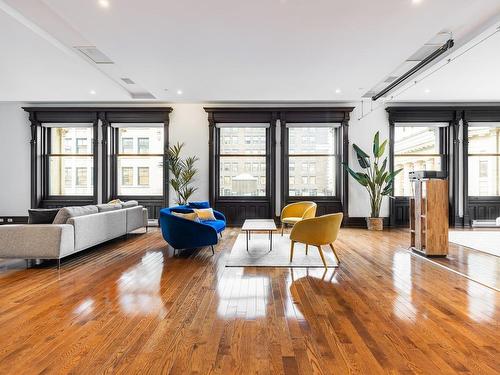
360, 222
454, 169
465, 168
339, 115
13, 220
40, 143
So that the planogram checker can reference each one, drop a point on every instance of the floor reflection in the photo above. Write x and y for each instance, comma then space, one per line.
139, 287
402, 281
242, 295
481, 302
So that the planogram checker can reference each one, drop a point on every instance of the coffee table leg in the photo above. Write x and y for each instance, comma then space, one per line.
270, 240
247, 238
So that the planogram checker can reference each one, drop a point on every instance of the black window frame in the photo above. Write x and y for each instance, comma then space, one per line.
286, 165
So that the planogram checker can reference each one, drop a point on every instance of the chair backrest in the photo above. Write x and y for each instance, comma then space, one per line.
320, 230
304, 209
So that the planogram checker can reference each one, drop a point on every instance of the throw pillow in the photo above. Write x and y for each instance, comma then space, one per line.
129, 204
190, 216
205, 214
42, 215
67, 212
199, 205
115, 201
108, 207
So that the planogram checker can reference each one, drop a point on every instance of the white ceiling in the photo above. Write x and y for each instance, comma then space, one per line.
227, 50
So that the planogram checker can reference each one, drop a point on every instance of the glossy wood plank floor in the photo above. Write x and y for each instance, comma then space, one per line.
130, 307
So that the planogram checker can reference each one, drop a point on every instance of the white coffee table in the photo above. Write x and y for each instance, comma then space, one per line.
267, 225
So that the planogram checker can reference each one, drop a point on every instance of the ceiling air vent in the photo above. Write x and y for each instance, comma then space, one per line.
94, 54
128, 81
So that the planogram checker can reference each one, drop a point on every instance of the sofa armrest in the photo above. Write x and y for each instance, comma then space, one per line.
36, 241
219, 215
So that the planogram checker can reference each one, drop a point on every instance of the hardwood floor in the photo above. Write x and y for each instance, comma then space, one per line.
131, 307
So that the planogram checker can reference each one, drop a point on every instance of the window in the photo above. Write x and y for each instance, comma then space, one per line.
484, 159
127, 176
81, 176
68, 177
66, 158
142, 170
143, 145
416, 148
81, 146
127, 145
143, 176
313, 162
247, 176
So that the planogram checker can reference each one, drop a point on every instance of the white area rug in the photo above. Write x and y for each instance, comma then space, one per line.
485, 241
258, 254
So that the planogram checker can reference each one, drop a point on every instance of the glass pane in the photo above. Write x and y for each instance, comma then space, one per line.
312, 176
240, 140
71, 140
243, 176
140, 175
402, 186
484, 140
311, 140
140, 140
416, 140
71, 175
484, 176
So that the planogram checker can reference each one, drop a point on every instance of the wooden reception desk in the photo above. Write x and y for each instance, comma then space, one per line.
429, 217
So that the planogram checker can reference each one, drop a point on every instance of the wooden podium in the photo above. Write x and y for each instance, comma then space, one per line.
429, 217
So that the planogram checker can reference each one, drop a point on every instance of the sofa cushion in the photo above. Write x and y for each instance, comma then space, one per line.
108, 207
129, 204
42, 215
189, 216
205, 213
68, 212
218, 225
199, 205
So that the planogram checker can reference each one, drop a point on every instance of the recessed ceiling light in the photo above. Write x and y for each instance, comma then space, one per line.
416, 2
92, 92
427, 91
338, 91
104, 3
179, 92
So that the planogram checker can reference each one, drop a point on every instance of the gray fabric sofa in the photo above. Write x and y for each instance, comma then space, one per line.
55, 241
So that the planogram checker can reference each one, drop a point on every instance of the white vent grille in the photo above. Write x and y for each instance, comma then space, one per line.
94, 54
128, 81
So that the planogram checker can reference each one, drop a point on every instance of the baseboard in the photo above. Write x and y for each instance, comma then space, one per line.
13, 220
360, 222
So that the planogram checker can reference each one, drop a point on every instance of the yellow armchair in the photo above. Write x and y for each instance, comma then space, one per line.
295, 212
317, 231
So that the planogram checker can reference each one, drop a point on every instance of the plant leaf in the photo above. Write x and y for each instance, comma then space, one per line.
376, 143
363, 158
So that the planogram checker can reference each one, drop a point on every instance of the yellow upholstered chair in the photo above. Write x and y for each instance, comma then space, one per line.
317, 231
295, 212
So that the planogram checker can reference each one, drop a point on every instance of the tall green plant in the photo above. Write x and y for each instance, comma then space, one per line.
375, 178
183, 173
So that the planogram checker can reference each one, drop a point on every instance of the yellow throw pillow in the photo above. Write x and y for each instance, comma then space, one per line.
189, 216
205, 213
115, 201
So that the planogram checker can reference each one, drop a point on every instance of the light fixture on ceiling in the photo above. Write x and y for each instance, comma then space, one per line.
416, 68
103, 3
92, 92
427, 91
338, 91
416, 2
179, 92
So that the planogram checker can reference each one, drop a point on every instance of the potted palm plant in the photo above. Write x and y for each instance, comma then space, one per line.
375, 178
183, 173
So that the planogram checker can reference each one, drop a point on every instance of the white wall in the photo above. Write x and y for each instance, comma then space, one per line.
14, 160
188, 124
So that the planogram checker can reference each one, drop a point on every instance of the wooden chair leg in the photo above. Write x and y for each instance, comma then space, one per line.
335, 253
282, 227
291, 250
307, 248
322, 256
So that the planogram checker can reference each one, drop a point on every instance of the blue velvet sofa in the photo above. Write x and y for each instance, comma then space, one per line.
182, 233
